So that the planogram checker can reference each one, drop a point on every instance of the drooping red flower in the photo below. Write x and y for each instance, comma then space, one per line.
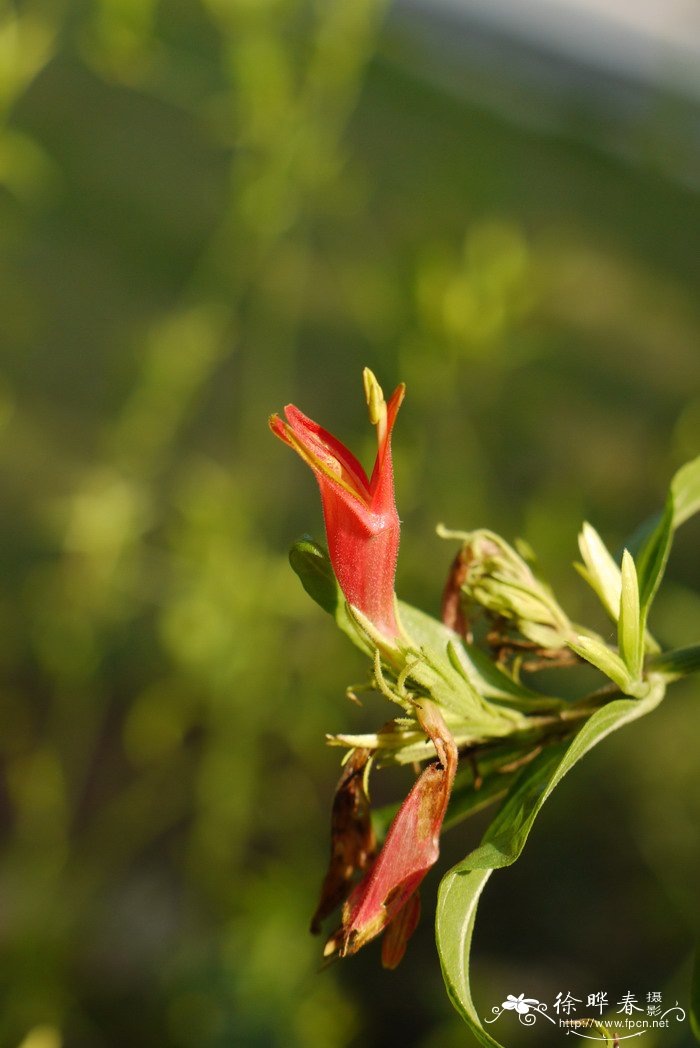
387, 897
362, 525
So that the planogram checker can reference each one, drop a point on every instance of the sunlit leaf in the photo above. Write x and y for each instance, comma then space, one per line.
629, 634
601, 572
607, 661
685, 491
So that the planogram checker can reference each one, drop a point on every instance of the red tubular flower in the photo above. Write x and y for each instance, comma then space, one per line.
362, 525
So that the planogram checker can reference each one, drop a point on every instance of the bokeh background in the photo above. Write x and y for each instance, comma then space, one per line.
208, 209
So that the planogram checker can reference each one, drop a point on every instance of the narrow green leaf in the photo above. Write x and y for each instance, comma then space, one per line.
458, 900
677, 663
601, 572
685, 491
629, 631
461, 888
642, 533
652, 557
682, 503
649, 541
607, 661
506, 836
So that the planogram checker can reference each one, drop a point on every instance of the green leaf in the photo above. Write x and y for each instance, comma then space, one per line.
685, 492
461, 888
458, 900
642, 534
313, 566
601, 572
677, 663
652, 557
651, 541
630, 633
608, 662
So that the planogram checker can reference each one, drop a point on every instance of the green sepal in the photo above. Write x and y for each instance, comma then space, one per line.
482, 675
420, 663
503, 842
502, 581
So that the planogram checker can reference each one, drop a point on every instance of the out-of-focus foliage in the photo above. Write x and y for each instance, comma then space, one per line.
208, 209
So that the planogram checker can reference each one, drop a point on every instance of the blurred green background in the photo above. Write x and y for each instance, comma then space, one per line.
208, 209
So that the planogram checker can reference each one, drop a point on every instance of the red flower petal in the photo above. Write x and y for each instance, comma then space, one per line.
362, 525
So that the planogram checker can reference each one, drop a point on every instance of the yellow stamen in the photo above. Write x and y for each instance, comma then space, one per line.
375, 403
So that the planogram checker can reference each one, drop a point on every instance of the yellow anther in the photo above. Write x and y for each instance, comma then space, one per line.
375, 402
